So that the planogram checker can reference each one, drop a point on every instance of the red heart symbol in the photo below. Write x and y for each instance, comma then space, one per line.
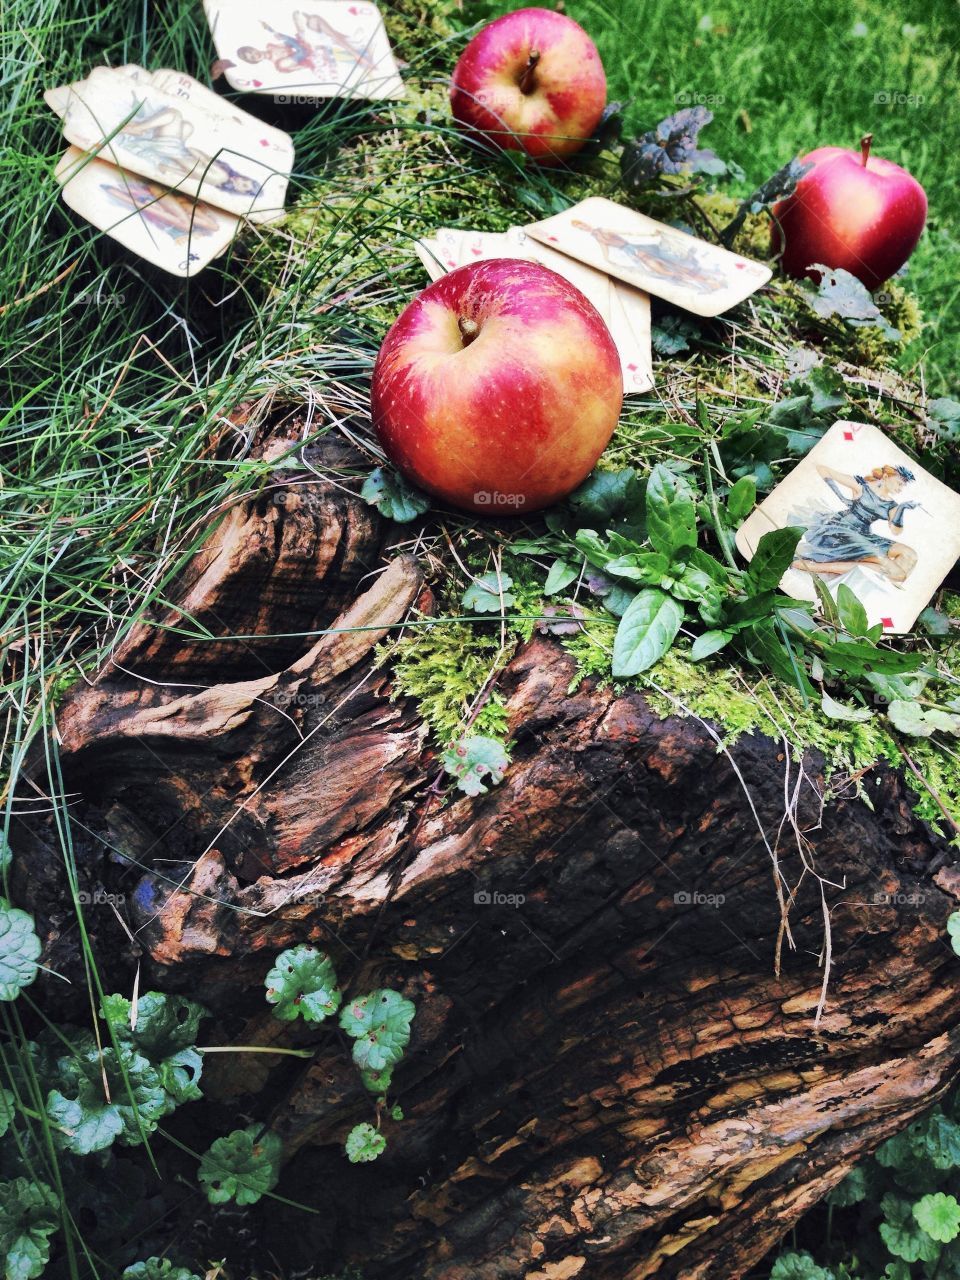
476, 252
257, 84
264, 142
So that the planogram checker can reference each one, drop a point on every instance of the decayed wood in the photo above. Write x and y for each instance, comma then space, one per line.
607, 1078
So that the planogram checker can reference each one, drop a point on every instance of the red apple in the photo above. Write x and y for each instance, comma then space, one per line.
531, 81
497, 388
852, 211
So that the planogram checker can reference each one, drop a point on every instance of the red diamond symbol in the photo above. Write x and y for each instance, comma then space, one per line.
887, 623
848, 435
264, 142
553, 238
632, 368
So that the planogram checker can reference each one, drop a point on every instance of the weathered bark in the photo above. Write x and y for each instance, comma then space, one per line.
607, 1078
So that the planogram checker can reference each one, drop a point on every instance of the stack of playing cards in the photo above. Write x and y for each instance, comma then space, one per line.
617, 258
304, 50
165, 166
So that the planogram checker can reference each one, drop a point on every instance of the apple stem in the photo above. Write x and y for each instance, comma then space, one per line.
865, 142
468, 330
526, 79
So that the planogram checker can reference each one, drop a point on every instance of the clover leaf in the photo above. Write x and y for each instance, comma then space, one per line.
303, 983
474, 761
364, 1144
19, 950
29, 1215
241, 1166
394, 496
484, 594
379, 1023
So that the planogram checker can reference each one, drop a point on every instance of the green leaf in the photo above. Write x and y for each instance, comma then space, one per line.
943, 417
377, 1081
165, 1023
902, 1235
672, 334
561, 575
606, 494
364, 1144
303, 984
8, 1109
394, 496
483, 595
934, 622
6, 855
852, 1190
379, 1023
647, 630
708, 643
842, 296
828, 605
834, 710
939, 1216
742, 499
157, 1269
241, 1166
798, 1266
671, 512
396, 1112
953, 929
29, 1215
19, 950
853, 616
475, 761
86, 1118
773, 557
921, 722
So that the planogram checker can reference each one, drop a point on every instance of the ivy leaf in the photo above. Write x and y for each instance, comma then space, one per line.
647, 630
86, 1118
364, 1144
19, 950
671, 512
561, 575
902, 1234
670, 148
773, 557
303, 983
474, 761
394, 496
834, 710
29, 1215
842, 296
798, 1266
939, 1216
379, 1023
953, 929
241, 1166
157, 1269
483, 595
673, 333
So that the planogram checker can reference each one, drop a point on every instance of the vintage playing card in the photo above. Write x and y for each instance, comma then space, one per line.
428, 251
872, 518
661, 260
188, 89
631, 308
304, 50
170, 230
179, 144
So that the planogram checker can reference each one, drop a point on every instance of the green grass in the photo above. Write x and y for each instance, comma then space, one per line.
785, 76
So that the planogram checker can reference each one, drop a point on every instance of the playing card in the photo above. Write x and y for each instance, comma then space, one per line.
429, 253
872, 518
173, 232
630, 317
304, 50
185, 87
661, 260
179, 144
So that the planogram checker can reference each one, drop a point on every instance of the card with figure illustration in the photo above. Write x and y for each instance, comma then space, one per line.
134, 125
172, 231
680, 268
304, 49
872, 518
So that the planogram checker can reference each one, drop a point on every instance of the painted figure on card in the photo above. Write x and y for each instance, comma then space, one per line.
665, 257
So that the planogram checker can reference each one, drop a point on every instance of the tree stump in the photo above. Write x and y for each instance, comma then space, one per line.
608, 1077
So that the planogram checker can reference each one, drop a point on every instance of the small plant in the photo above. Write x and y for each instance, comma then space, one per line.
242, 1166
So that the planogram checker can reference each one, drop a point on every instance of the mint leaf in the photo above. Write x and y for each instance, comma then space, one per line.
939, 1216
671, 512
475, 761
157, 1269
241, 1166
673, 333
394, 496
19, 950
377, 1081
379, 1022
483, 595
303, 984
854, 1189
773, 557
943, 417
364, 1144
29, 1215
647, 630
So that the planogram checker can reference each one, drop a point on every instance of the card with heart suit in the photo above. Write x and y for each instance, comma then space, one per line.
134, 125
304, 49
449, 248
172, 231
670, 264
872, 518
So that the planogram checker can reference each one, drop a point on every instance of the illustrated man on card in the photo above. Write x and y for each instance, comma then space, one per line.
658, 254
